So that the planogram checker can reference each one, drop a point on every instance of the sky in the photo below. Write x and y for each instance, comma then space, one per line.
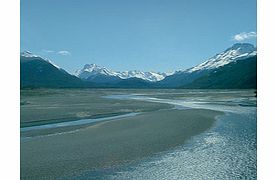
147, 35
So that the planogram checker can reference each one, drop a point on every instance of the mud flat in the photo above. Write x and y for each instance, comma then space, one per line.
111, 143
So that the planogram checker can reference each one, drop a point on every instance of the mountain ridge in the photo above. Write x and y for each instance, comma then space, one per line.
238, 51
92, 75
36, 72
90, 70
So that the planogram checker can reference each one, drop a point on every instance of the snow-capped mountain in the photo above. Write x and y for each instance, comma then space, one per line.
28, 54
90, 70
36, 71
150, 76
236, 67
93, 69
236, 52
31, 56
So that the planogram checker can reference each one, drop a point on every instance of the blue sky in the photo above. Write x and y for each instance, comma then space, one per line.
150, 35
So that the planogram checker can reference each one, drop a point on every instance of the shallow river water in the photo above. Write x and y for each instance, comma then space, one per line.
226, 151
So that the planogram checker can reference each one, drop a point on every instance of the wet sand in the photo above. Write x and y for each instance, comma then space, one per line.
111, 143
45, 106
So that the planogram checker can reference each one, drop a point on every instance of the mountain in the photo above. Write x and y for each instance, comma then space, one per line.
98, 74
134, 82
237, 52
235, 68
235, 75
36, 71
148, 76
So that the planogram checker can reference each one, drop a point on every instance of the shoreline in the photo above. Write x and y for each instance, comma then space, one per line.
65, 120
75, 122
112, 143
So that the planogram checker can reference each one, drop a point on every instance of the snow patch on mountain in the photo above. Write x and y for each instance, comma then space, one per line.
236, 52
93, 69
53, 63
150, 76
29, 54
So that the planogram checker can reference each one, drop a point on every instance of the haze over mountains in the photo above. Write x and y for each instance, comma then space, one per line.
236, 67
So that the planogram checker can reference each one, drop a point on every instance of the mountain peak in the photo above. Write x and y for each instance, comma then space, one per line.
90, 67
90, 70
28, 54
31, 56
242, 47
236, 52
93, 69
